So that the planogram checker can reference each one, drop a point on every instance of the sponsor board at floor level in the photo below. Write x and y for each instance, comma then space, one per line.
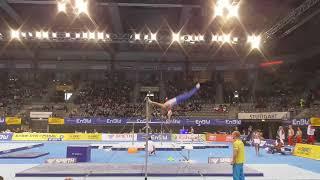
219, 160
119, 137
307, 151
6, 136
188, 137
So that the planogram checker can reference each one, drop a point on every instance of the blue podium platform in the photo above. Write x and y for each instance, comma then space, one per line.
80, 152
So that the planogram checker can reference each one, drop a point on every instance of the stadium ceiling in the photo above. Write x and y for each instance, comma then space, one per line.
275, 20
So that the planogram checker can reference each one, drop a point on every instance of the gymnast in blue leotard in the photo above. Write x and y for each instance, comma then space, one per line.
176, 100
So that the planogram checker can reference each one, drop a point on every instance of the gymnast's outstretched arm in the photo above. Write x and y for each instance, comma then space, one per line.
178, 99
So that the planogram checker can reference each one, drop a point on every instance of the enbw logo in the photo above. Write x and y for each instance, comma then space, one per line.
234, 122
83, 121
202, 122
300, 122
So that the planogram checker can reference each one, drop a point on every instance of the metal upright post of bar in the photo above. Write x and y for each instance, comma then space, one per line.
147, 137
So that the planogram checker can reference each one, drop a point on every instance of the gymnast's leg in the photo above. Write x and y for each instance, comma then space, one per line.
177, 100
183, 97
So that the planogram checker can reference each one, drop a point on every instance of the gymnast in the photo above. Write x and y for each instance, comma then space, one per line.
166, 107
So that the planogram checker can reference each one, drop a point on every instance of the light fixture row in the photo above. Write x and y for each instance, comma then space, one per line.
254, 40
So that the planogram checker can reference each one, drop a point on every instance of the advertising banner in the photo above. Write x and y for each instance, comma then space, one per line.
219, 137
315, 121
119, 137
307, 151
44, 115
37, 137
56, 121
219, 160
94, 121
82, 137
6, 136
264, 115
156, 137
188, 137
13, 121
154, 122
296, 122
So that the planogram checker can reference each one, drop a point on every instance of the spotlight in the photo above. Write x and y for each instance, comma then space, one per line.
137, 36
200, 37
254, 41
226, 38
85, 35
38, 35
153, 37
61, 6
92, 35
68, 35
233, 11
30, 34
15, 34
77, 35
45, 35
100, 35
24, 35
175, 37
81, 6
214, 38
235, 40
107, 36
218, 11
220, 38
54, 35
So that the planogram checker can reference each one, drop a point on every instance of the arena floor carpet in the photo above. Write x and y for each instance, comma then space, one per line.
263, 163
104, 169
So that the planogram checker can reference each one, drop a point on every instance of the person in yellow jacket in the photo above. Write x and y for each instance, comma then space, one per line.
238, 157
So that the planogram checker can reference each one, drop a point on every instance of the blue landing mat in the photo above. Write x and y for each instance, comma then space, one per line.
21, 155
108, 169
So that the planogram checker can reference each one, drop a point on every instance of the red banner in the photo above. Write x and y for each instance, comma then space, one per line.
219, 137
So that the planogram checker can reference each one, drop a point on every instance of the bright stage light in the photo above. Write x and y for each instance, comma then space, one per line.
38, 35
254, 41
45, 35
100, 35
68, 35
23, 34
61, 6
233, 11
77, 35
214, 38
81, 6
85, 35
226, 6
137, 36
175, 37
226, 38
200, 37
218, 11
30, 34
107, 36
92, 35
153, 37
54, 35
15, 34
235, 40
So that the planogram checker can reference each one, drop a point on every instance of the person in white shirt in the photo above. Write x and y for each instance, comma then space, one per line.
281, 134
151, 147
256, 141
310, 133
